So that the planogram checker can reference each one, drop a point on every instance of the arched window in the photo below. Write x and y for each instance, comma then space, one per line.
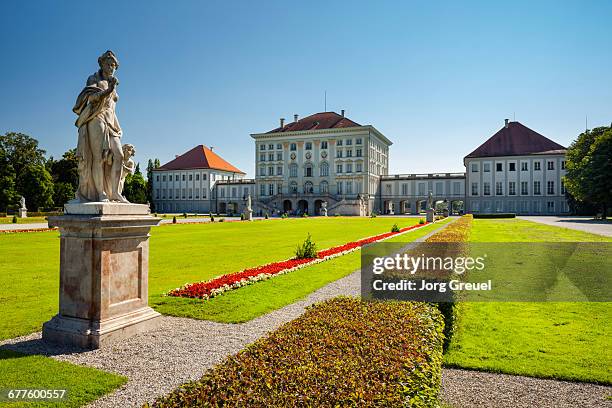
324, 170
308, 188
293, 187
324, 187
308, 170
293, 169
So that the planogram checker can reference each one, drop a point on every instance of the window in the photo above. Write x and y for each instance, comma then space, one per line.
338, 153
197, 193
404, 188
293, 187
474, 167
293, 168
198, 177
474, 189
511, 166
324, 144
339, 143
339, 187
324, 170
499, 190
349, 187
204, 176
279, 156
512, 188
262, 171
163, 178
190, 193
279, 170
183, 177
293, 147
164, 194
536, 188
358, 141
551, 165
262, 147
486, 167
279, 188
270, 171
157, 193
456, 188
562, 164
270, 156
550, 187
524, 166
563, 187
550, 206
270, 189
358, 153
339, 168
156, 178
262, 189
421, 189
524, 188
499, 167
359, 167
349, 153
262, 157
308, 171
536, 165
439, 188
486, 187
349, 142
270, 147
170, 195
176, 195
308, 145
183, 195
279, 146
324, 187
349, 167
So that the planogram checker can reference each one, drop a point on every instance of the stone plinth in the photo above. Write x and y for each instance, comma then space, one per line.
248, 215
104, 267
23, 213
430, 216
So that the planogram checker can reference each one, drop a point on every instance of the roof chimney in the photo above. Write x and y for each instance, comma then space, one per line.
342, 112
282, 122
506, 124
295, 117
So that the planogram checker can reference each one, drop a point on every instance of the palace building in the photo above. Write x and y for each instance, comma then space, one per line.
327, 159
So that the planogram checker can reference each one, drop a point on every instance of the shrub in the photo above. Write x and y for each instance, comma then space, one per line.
495, 215
14, 219
305, 215
343, 352
174, 219
241, 217
308, 249
395, 228
155, 215
221, 219
336, 214
373, 214
421, 220
284, 215
2, 214
458, 231
184, 215
266, 215
212, 218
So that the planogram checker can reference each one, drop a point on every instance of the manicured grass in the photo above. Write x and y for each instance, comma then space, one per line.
263, 297
28, 220
83, 384
29, 265
567, 340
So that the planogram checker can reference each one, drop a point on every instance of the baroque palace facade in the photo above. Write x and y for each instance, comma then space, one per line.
326, 159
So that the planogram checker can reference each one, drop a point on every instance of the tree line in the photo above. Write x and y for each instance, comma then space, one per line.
48, 184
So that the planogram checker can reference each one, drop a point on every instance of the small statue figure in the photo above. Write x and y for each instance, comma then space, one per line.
430, 201
324, 208
129, 167
22, 202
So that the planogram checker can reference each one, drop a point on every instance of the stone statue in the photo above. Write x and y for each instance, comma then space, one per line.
22, 202
99, 152
248, 212
129, 167
23, 211
248, 203
430, 201
324, 208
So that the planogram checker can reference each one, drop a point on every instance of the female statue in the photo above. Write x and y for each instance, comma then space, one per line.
99, 146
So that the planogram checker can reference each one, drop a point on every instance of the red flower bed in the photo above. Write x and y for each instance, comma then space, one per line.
213, 287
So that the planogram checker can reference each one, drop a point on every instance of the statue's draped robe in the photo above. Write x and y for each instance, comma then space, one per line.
102, 110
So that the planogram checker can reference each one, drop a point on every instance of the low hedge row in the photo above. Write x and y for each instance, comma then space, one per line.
458, 231
343, 352
495, 215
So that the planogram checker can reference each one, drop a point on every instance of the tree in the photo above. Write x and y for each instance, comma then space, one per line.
589, 168
151, 165
8, 195
22, 151
36, 185
65, 177
135, 187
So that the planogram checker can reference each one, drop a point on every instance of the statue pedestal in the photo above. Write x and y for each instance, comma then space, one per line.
430, 216
248, 215
23, 213
104, 267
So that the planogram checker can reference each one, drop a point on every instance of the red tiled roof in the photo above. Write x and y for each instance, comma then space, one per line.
200, 157
322, 120
516, 140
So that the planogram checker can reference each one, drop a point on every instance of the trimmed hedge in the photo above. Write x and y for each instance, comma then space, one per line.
343, 352
495, 215
458, 231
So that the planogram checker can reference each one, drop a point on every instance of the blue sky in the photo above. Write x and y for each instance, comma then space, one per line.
436, 78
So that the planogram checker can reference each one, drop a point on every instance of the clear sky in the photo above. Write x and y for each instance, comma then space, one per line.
437, 78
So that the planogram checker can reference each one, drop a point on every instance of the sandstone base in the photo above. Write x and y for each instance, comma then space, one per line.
430, 216
104, 268
23, 213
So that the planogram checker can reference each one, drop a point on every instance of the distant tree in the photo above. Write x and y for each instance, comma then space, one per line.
22, 150
135, 187
589, 168
8, 195
62, 193
151, 165
65, 177
36, 185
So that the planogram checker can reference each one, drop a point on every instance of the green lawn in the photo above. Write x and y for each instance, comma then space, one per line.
83, 384
562, 340
255, 300
28, 220
29, 265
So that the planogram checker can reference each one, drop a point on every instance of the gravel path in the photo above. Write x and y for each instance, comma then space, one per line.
182, 349
586, 224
